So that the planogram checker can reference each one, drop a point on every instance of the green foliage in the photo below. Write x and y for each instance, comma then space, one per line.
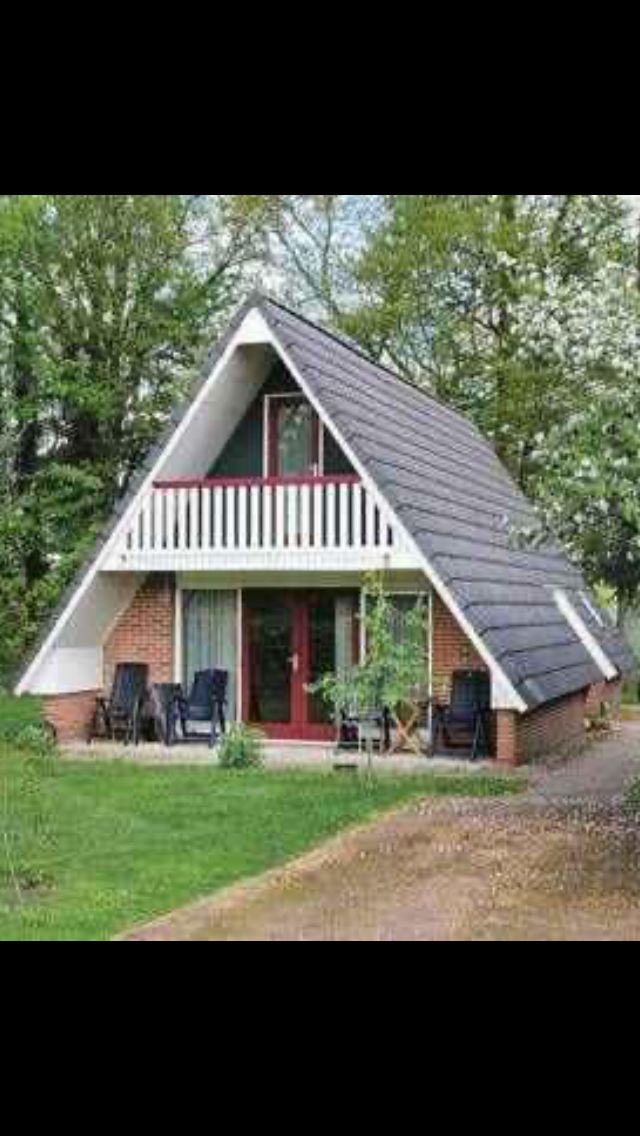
106, 304
120, 843
26, 829
632, 799
241, 747
588, 493
498, 302
21, 724
396, 659
522, 310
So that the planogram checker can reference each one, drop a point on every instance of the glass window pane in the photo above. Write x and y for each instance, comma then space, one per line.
209, 636
295, 437
269, 663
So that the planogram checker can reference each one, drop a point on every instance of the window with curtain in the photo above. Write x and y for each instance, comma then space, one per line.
209, 636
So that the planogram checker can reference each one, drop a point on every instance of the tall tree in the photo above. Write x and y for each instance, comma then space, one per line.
517, 308
106, 302
484, 298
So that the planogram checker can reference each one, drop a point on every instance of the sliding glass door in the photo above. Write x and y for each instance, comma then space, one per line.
209, 636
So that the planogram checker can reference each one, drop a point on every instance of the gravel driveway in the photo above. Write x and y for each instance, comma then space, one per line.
560, 862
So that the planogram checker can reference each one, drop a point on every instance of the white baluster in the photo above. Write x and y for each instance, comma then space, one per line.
330, 515
254, 516
194, 519
218, 501
242, 516
182, 519
279, 541
146, 523
267, 516
305, 516
230, 502
292, 515
205, 506
356, 505
318, 509
170, 506
343, 513
371, 521
158, 542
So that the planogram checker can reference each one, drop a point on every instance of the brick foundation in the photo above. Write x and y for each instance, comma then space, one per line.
71, 715
523, 737
507, 749
551, 726
144, 632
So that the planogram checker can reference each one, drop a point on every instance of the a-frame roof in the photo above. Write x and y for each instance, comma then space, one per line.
453, 498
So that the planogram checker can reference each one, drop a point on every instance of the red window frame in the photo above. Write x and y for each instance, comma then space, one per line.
274, 405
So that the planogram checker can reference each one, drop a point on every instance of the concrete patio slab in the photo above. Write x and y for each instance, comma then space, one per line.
277, 755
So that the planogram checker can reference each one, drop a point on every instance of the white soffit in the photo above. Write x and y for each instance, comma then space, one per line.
588, 640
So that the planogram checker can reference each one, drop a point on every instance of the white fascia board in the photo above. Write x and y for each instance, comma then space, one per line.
249, 331
503, 694
588, 640
255, 330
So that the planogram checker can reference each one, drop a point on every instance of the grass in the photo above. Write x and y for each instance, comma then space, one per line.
632, 797
89, 849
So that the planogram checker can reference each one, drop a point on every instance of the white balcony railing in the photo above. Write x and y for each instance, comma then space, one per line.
294, 514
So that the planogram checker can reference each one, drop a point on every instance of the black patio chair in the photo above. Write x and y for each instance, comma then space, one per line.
205, 702
119, 714
159, 711
353, 721
468, 710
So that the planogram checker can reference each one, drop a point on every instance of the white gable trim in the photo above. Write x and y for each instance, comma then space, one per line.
503, 694
249, 331
254, 329
588, 640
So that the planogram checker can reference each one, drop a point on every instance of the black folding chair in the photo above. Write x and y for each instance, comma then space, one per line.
120, 713
158, 714
205, 702
354, 722
468, 710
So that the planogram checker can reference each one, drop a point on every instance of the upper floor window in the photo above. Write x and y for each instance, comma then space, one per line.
293, 436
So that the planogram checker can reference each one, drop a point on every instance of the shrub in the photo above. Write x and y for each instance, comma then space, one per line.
34, 737
240, 747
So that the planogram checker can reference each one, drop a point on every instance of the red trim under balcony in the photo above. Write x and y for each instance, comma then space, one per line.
228, 482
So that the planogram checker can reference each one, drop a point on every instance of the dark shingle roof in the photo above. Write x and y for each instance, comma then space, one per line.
446, 484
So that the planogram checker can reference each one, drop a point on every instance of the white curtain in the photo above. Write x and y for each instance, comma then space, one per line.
209, 636
345, 617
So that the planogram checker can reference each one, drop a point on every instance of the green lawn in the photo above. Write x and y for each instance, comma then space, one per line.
89, 849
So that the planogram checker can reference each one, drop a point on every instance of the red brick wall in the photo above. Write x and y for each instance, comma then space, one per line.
551, 726
603, 692
144, 632
451, 650
71, 715
506, 737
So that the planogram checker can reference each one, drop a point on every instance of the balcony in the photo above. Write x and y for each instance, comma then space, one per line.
260, 523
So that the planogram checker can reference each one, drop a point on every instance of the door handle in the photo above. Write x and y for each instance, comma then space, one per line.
293, 659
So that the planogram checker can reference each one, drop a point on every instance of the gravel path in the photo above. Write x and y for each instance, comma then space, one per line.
560, 862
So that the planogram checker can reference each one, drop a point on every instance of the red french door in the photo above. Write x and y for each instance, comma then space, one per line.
288, 642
